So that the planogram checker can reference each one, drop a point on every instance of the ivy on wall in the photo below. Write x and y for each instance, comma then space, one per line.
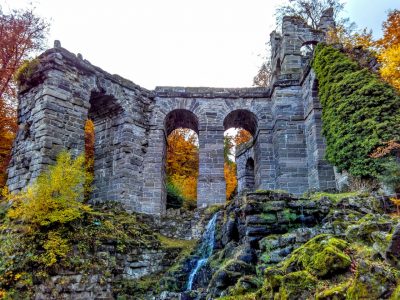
360, 112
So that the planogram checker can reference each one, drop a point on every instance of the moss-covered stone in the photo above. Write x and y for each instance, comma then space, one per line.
396, 293
321, 256
337, 292
296, 285
372, 280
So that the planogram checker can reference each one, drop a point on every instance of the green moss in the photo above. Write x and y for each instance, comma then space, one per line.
246, 284
334, 197
288, 215
212, 209
186, 245
396, 293
269, 218
296, 285
126, 288
337, 292
321, 256
26, 70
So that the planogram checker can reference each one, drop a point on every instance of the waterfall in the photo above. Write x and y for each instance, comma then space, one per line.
204, 251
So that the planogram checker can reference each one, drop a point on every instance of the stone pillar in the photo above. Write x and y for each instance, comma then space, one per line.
289, 141
211, 187
243, 153
51, 117
321, 174
154, 192
264, 161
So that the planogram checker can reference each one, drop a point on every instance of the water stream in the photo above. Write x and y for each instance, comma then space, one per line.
204, 251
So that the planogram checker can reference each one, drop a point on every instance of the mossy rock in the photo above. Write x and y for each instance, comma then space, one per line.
296, 285
245, 284
396, 293
373, 280
234, 265
321, 256
337, 292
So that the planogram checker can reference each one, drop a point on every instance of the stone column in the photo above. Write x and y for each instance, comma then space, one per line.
51, 118
211, 187
264, 161
321, 174
154, 193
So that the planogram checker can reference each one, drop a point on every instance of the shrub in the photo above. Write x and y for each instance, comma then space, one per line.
174, 197
360, 112
34, 230
56, 197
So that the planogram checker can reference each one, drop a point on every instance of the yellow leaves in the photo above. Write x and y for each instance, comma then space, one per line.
56, 196
56, 247
183, 164
230, 178
242, 136
390, 60
389, 49
396, 202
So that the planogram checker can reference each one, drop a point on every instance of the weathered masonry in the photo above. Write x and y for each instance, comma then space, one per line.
132, 123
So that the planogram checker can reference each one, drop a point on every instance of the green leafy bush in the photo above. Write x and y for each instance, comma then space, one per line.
174, 196
360, 112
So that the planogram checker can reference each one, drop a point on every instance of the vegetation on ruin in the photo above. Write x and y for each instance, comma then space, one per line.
360, 112
48, 227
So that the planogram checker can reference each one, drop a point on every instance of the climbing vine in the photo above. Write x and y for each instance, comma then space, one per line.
360, 112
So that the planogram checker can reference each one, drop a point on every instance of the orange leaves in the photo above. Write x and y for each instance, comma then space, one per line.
22, 33
389, 147
389, 46
242, 136
182, 165
8, 129
89, 145
391, 30
230, 179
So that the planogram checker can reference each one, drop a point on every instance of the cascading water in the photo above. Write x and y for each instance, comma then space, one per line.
204, 251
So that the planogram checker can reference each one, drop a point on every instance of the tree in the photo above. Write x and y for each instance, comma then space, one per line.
242, 136
182, 166
311, 11
264, 75
389, 49
22, 34
229, 166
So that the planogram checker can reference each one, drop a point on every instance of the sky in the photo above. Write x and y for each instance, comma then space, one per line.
216, 43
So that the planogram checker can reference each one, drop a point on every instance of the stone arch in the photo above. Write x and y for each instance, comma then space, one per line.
106, 114
175, 119
180, 118
242, 118
249, 174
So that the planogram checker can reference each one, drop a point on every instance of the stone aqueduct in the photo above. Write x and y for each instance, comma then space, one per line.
132, 123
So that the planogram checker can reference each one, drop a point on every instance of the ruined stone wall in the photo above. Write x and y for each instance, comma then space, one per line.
132, 125
209, 112
62, 94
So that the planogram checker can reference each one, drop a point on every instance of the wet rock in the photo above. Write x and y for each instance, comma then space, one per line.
393, 250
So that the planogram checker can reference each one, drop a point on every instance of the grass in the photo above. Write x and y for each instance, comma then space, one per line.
168, 243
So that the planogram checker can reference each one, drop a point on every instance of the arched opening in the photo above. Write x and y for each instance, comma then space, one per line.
182, 159
249, 174
307, 51
240, 135
101, 128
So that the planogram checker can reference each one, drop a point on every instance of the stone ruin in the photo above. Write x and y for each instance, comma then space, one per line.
132, 125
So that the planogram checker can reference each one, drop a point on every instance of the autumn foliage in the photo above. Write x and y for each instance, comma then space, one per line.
389, 49
182, 164
21, 35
